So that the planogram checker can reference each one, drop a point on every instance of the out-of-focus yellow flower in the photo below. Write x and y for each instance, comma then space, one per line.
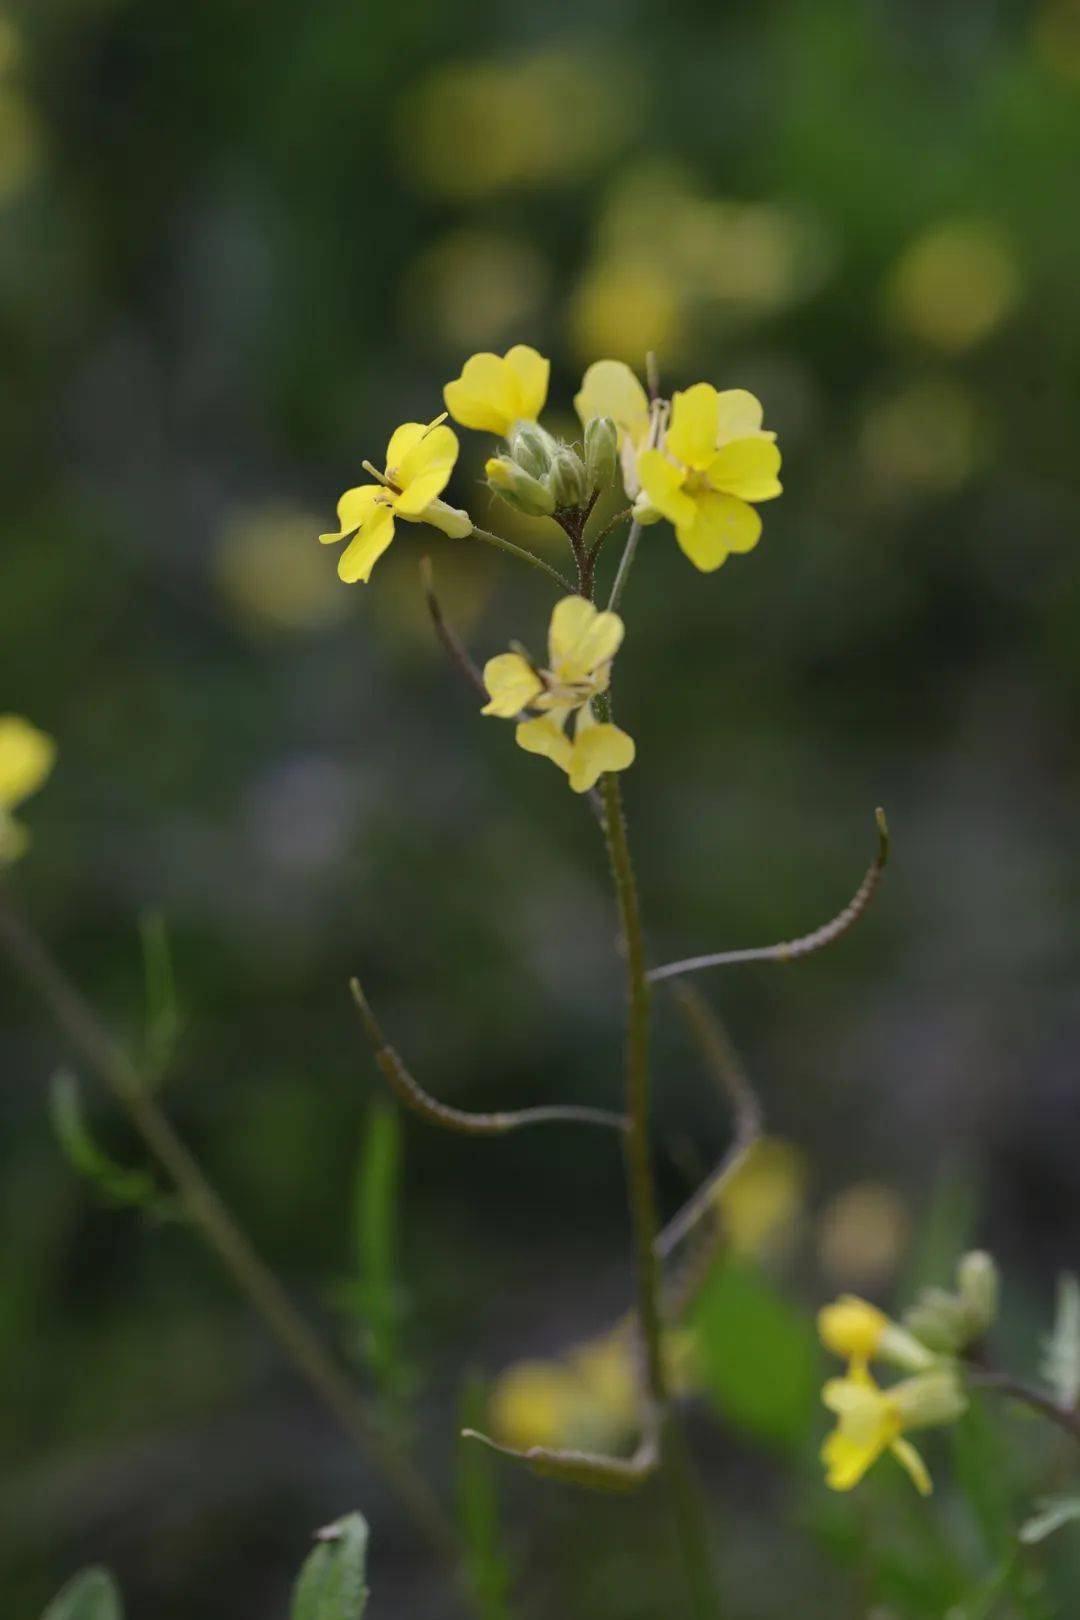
495, 391
27, 756
609, 388
20, 137
625, 306
581, 645
267, 570
419, 460
954, 285
762, 1200
470, 289
716, 459
533, 1404
1057, 37
473, 129
862, 1232
924, 439
856, 1330
873, 1420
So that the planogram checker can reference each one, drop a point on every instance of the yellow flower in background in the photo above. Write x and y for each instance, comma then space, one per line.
419, 460
871, 1421
589, 1397
610, 388
862, 1233
533, 1404
955, 284
472, 289
716, 459
27, 756
860, 1333
624, 307
581, 645
269, 574
493, 391
759, 1203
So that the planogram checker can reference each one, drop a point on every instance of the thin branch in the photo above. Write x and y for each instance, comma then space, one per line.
613, 523
792, 950
727, 1070
587, 1468
413, 1095
211, 1216
522, 555
625, 563
1065, 1417
451, 641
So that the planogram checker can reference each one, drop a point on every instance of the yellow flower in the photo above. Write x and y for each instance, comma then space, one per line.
419, 461
871, 1421
716, 460
609, 388
858, 1331
533, 1404
761, 1202
27, 756
581, 646
493, 392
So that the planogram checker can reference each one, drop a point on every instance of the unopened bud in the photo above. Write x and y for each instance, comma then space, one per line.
532, 447
978, 1281
939, 1320
567, 479
601, 451
510, 480
930, 1398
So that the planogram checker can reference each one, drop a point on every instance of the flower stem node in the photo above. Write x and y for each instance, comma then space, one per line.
601, 452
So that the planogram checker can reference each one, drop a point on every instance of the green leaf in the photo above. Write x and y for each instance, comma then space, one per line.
1053, 1512
163, 1020
1061, 1351
478, 1512
112, 1180
759, 1355
92, 1595
332, 1584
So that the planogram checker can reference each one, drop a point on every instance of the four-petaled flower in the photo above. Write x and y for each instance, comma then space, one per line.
716, 458
27, 756
871, 1421
493, 391
581, 645
609, 388
419, 460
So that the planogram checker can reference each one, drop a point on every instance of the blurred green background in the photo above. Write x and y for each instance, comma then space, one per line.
238, 244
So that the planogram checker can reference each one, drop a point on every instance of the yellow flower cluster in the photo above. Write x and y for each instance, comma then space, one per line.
27, 756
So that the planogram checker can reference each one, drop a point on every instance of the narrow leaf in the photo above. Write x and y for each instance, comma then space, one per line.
478, 1514
1054, 1511
332, 1584
1061, 1351
92, 1595
113, 1181
163, 1020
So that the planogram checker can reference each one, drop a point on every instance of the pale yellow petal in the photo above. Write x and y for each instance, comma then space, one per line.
722, 524
450, 520
402, 440
609, 388
695, 416
912, 1462
354, 508
486, 396
747, 468
546, 736
847, 1460
367, 546
739, 415
511, 682
580, 638
530, 372
599, 748
27, 756
663, 483
435, 452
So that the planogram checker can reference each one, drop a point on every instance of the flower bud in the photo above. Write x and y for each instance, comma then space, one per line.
533, 448
939, 1320
510, 480
601, 451
930, 1398
978, 1282
567, 479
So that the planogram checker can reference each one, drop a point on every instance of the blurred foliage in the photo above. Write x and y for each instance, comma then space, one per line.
235, 244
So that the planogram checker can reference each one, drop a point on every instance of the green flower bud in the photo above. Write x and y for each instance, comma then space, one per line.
601, 451
979, 1283
517, 487
533, 448
930, 1398
567, 480
939, 1319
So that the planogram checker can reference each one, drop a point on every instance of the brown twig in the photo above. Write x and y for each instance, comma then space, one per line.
1065, 1417
451, 641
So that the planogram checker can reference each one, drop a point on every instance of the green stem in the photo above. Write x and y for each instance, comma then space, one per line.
523, 556
641, 1194
625, 564
213, 1219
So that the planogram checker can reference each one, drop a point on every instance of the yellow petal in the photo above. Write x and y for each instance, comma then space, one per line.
909, 1459
27, 756
695, 417
609, 388
852, 1328
413, 501
434, 453
354, 508
511, 682
663, 483
367, 546
402, 440
546, 736
599, 748
722, 524
486, 396
450, 519
580, 638
747, 468
14, 838
530, 372
847, 1460
739, 415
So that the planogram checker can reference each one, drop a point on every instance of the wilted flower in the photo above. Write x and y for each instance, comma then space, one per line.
581, 645
27, 756
715, 460
493, 391
419, 460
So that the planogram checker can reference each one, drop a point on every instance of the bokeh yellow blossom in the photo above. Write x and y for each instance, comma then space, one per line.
954, 285
924, 438
419, 460
27, 757
495, 391
625, 306
871, 1421
862, 1233
270, 575
760, 1203
473, 288
715, 461
581, 645
20, 135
